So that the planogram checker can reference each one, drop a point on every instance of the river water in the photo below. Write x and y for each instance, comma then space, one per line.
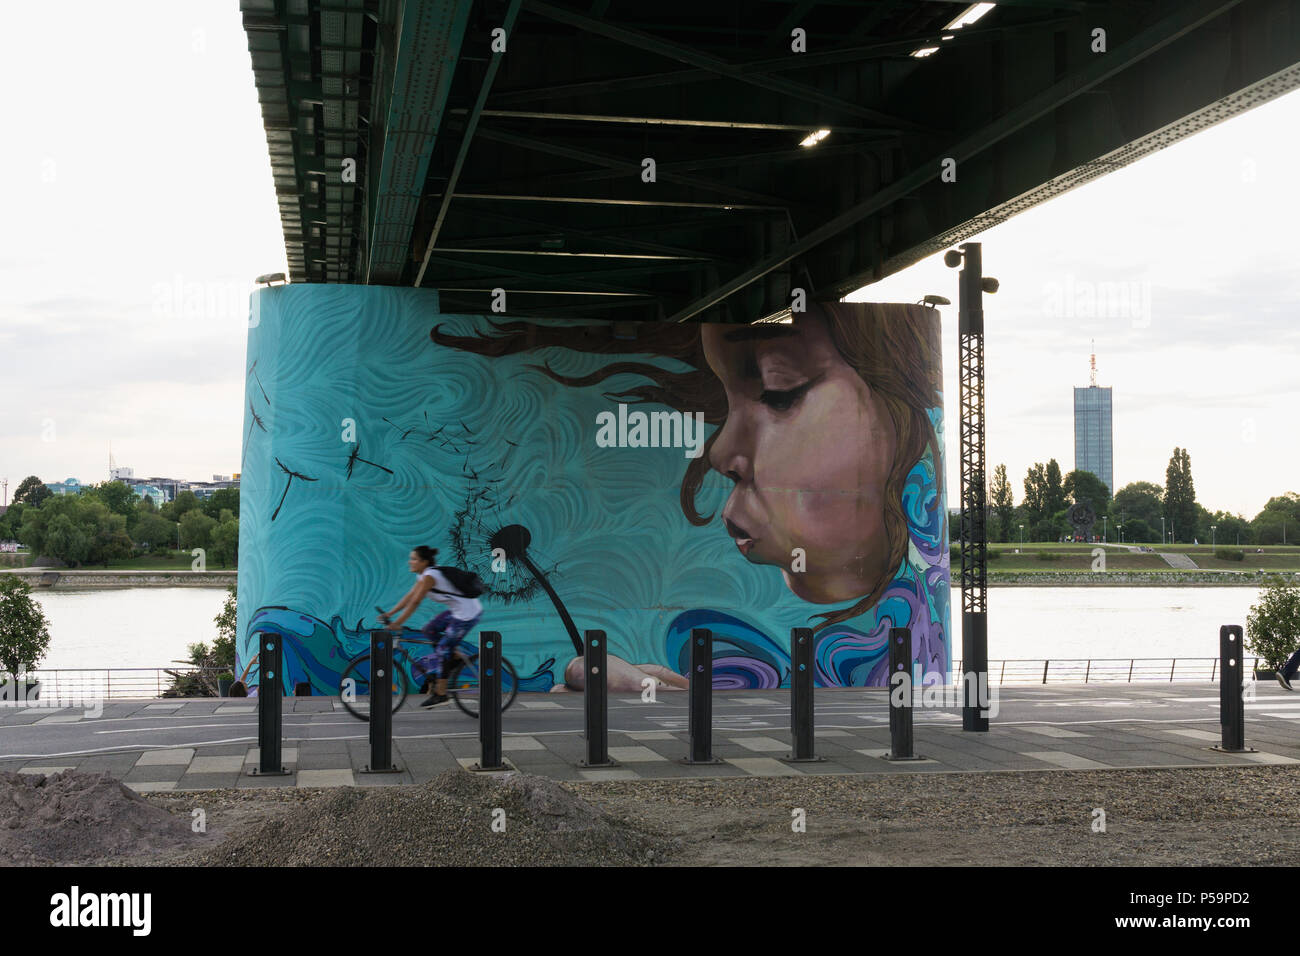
151, 627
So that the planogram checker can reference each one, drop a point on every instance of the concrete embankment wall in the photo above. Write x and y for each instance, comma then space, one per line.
1165, 579
62, 579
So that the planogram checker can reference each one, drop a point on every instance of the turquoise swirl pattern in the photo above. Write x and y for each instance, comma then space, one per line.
364, 438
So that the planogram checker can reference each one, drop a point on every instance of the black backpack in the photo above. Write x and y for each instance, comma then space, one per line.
468, 583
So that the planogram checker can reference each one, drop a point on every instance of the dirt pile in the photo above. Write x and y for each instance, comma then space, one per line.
456, 819
80, 817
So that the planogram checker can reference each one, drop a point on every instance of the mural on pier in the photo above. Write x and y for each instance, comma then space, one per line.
642, 478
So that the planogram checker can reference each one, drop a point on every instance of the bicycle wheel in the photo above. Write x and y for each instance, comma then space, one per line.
463, 686
356, 695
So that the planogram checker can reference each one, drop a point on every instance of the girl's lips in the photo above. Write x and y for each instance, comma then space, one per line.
743, 541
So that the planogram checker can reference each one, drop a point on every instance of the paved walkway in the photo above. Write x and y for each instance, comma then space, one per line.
207, 743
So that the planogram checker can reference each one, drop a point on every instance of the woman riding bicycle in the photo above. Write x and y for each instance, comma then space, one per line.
446, 630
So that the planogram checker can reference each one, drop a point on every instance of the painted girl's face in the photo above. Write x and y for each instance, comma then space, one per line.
809, 447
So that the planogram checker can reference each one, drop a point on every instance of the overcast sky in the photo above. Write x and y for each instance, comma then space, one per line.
139, 206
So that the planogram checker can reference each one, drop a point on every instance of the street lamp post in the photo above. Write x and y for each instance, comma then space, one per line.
1214, 536
1103, 527
972, 286
1022, 537
1162, 529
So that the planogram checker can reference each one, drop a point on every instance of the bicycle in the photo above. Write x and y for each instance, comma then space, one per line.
462, 679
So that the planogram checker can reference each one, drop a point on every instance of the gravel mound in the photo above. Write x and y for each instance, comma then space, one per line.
73, 817
448, 821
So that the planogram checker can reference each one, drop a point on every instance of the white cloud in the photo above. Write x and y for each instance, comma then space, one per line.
1209, 242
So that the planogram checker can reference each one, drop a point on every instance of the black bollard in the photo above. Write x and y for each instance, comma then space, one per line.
489, 703
801, 696
381, 704
1232, 709
900, 694
270, 710
700, 716
595, 702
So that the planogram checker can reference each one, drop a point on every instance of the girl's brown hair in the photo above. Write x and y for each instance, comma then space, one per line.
894, 348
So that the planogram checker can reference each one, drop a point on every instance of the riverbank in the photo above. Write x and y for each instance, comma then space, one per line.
63, 579
1162, 579
66, 580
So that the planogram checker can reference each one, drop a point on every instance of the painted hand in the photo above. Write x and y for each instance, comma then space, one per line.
624, 677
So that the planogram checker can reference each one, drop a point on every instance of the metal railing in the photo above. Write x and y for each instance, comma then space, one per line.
1100, 670
112, 683
120, 683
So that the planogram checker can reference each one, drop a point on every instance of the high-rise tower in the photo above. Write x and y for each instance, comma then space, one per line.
1093, 433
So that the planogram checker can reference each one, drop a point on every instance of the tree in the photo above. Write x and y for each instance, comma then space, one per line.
1138, 500
143, 506
24, 630
1279, 521
155, 533
1054, 490
1273, 527
1288, 504
32, 491
1004, 505
1180, 496
38, 522
225, 540
1229, 529
222, 499
223, 646
1035, 503
1085, 486
1273, 625
11, 521
107, 533
66, 540
196, 530
1137, 530
118, 496
185, 502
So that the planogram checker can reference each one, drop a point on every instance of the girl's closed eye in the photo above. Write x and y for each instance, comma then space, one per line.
782, 400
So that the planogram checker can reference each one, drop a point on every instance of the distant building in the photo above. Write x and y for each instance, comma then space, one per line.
155, 494
68, 486
121, 474
1093, 434
205, 489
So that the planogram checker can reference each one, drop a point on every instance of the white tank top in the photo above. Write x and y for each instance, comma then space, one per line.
461, 607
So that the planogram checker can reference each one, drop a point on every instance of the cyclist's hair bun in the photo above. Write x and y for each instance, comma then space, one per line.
426, 553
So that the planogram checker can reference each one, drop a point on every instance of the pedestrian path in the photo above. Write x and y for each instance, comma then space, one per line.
206, 744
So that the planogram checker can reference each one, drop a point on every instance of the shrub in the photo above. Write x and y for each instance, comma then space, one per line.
24, 630
1273, 625
1230, 554
1048, 556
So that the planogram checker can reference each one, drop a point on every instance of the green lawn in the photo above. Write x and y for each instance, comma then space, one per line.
1078, 557
172, 561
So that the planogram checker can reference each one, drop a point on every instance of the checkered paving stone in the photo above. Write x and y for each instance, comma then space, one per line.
178, 744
